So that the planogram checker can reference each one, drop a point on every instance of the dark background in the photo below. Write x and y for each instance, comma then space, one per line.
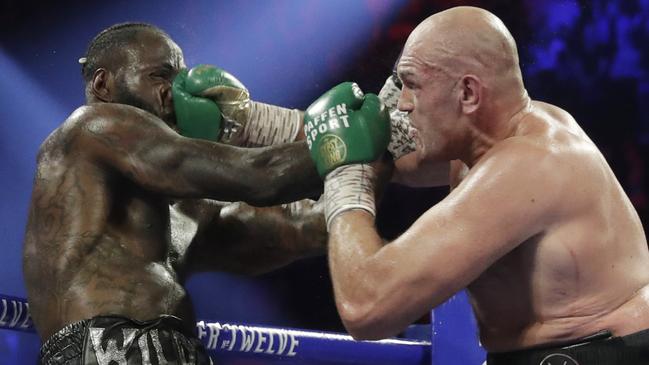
589, 57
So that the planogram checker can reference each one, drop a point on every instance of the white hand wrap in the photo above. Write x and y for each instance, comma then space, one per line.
401, 141
269, 125
349, 187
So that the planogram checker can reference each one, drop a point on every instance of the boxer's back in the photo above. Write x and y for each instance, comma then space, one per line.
586, 271
95, 242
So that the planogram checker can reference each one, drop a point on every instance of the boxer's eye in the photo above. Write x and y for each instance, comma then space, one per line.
409, 84
164, 73
161, 76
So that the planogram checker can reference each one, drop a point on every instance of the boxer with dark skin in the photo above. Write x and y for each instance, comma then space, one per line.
119, 213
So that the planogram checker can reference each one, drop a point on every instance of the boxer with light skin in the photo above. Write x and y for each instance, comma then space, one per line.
536, 225
124, 209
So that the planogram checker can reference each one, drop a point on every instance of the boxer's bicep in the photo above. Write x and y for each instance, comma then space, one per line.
498, 206
490, 213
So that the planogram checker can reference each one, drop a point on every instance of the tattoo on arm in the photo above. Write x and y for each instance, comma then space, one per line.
146, 151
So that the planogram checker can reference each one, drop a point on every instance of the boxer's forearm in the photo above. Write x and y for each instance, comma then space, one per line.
361, 280
290, 174
270, 125
261, 177
310, 228
146, 151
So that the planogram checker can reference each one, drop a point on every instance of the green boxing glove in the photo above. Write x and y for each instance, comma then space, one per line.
229, 94
241, 122
345, 127
196, 117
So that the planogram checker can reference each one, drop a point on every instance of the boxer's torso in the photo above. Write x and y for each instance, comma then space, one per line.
96, 243
586, 271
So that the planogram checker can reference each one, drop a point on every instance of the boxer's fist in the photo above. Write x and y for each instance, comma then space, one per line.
226, 91
344, 127
196, 117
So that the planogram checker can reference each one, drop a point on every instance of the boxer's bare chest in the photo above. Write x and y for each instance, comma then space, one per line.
94, 239
141, 220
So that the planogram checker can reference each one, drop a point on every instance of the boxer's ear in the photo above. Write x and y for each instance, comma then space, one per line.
101, 85
470, 93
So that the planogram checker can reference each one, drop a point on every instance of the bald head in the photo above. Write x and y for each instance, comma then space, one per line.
461, 78
464, 40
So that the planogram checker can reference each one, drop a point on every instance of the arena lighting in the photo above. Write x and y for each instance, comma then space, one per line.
285, 52
28, 114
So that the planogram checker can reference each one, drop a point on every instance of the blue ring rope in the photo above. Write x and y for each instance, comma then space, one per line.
233, 342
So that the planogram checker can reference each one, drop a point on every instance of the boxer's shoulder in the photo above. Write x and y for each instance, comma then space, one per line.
521, 168
551, 128
106, 129
63, 139
517, 153
93, 111
83, 119
97, 117
86, 130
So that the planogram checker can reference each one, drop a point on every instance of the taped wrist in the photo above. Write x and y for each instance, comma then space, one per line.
349, 187
269, 125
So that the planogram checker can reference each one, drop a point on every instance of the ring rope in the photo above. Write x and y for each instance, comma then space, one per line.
268, 345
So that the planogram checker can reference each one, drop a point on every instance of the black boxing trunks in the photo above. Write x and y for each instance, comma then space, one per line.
601, 348
108, 340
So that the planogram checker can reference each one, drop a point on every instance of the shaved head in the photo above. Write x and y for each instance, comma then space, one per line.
464, 40
461, 79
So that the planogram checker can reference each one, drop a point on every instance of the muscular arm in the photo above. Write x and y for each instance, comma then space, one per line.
380, 289
142, 148
248, 240
239, 238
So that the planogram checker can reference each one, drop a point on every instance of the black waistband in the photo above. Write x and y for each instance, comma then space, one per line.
165, 320
66, 345
104, 339
599, 349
